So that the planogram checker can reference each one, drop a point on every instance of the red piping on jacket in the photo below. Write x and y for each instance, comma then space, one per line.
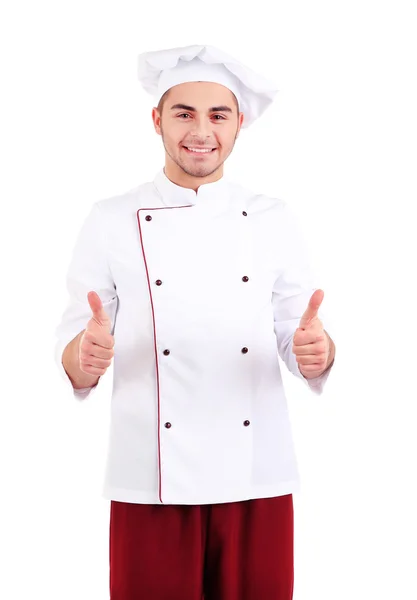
155, 344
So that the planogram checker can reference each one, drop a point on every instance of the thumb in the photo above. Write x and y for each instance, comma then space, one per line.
312, 309
96, 305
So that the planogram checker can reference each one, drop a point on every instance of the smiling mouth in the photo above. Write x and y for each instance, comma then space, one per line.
199, 151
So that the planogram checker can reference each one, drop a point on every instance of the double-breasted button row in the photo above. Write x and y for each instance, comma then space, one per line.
245, 278
168, 425
149, 218
167, 352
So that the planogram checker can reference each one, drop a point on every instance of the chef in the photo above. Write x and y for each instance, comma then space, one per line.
194, 286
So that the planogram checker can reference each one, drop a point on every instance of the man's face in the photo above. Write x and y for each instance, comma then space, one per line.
201, 116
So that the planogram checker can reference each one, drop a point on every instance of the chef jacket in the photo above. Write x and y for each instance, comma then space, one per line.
204, 291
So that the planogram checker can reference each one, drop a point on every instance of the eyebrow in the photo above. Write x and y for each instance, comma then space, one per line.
222, 108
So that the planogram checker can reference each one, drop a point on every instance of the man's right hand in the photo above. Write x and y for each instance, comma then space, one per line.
96, 343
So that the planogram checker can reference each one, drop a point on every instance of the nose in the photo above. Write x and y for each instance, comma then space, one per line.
201, 128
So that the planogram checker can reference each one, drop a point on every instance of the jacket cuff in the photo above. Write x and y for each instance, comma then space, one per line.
79, 393
316, 384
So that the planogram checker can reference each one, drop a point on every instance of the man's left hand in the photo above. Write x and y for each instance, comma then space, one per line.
312, 346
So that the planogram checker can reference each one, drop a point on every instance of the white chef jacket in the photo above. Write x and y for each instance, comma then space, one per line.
203, 290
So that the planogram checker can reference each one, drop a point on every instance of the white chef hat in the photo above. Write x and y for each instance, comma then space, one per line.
160, 70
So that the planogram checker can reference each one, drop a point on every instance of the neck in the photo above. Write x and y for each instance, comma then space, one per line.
183, 179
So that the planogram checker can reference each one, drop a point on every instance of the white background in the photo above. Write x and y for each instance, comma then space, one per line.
339, 145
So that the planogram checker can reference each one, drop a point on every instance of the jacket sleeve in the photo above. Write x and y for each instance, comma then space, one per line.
292, 291
88, 271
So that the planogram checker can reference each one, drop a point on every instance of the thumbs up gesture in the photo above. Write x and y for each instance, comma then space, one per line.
96, 343
311, 344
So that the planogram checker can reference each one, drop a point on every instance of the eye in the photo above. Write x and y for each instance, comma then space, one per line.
184, 115
221, 117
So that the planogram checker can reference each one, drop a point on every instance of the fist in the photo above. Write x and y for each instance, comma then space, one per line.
96, 343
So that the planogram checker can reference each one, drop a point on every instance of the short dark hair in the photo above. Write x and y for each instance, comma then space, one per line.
161, 102
165, 95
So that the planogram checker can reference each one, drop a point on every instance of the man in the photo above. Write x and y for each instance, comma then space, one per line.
195, 285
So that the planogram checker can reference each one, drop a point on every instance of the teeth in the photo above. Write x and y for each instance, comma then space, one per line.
200, 149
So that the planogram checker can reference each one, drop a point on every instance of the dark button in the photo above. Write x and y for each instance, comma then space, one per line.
168, 425
158, 282
148, 218
246, 423
245, 278
244, 350
244, 213
166, 352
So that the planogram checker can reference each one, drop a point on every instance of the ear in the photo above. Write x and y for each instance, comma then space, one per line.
156, 118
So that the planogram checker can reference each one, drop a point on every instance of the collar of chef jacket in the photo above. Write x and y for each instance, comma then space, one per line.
211, 198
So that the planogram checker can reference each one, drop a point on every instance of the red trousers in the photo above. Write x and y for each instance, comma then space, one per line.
235, 551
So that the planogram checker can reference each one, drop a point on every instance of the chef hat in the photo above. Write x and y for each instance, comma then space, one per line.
160, 70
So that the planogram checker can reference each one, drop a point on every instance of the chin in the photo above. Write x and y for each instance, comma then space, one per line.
197, 172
